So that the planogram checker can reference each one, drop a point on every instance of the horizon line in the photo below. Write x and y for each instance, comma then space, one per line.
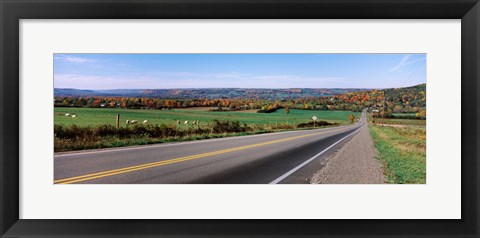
232, 88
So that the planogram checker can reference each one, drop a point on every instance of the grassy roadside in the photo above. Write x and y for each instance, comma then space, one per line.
69, 138
114, 141
407, 122
402, 150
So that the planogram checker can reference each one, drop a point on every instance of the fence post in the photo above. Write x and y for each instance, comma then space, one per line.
117, 124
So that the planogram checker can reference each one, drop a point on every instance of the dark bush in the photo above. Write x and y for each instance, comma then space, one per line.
318, 123
96, 133
229, 126
268, 110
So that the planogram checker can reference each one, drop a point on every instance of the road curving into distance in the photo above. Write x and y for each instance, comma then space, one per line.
283, 157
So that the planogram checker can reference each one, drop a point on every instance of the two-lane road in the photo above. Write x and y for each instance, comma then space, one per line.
284, 157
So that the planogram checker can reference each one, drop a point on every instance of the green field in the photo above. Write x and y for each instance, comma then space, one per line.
101, 116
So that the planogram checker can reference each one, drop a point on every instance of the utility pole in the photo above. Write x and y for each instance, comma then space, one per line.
383, 115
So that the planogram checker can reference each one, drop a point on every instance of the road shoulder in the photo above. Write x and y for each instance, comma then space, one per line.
354, 163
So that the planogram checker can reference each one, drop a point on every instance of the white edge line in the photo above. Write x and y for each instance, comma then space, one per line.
279, 179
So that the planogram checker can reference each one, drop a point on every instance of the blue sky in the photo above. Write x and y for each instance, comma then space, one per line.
155, 71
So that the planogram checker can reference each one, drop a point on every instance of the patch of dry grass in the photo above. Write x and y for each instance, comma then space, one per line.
405, 122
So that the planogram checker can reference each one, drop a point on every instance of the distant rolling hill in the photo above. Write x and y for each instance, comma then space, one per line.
210, 93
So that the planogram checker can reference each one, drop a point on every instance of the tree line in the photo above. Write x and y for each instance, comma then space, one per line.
399, 100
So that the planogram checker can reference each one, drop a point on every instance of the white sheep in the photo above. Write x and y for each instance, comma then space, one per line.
145, 121
186, 123
194, 122
178, 122
127, 122
133, 122
67, 114
74, 116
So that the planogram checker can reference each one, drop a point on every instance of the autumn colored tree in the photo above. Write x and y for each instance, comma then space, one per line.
169, 103
351, 118
398, 108
421, 113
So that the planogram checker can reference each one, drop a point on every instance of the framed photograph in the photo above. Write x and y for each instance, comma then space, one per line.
264, 125
239, 118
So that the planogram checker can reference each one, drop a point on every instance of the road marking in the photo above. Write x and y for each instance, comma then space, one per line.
279, 179
107, 173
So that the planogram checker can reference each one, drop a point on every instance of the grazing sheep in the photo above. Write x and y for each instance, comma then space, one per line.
133, 122
194, 122
178, 122
186, 123
74, 116
67, 114
127, 122
145, 121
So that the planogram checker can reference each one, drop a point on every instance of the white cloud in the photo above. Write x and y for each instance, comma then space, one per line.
73, 59
404, 61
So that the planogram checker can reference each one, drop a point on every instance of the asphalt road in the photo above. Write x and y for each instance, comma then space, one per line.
284, 157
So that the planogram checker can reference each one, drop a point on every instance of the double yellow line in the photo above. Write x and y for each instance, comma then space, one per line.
108, 173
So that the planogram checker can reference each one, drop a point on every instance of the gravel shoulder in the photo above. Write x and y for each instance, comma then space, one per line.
354, 163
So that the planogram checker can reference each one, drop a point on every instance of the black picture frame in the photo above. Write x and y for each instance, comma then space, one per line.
12, 11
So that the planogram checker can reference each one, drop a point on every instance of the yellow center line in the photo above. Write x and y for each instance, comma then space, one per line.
107, 173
